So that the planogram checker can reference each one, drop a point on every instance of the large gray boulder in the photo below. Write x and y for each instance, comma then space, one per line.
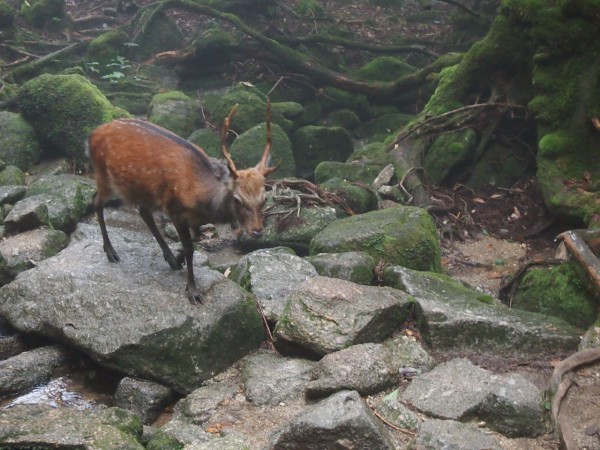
324, 315
18, 142
67, 197
134, 316
509, 403
270, 379
342, 420
460, 318
272, 274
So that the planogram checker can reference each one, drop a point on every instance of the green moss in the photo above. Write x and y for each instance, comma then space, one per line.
309, 8
364, 173
44, 13
7, 16
358, 196
449, 152
160, 35
64, 109
162, 441
558, 291
12, 175
105, 48
342, 118
385, 68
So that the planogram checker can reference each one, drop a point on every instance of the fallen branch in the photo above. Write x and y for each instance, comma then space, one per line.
429, 120
583, 255
33, 67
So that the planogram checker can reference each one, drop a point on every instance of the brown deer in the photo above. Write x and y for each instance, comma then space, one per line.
149, 166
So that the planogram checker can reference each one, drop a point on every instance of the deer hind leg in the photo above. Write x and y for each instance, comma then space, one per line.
111, 254
167, 253
194, 295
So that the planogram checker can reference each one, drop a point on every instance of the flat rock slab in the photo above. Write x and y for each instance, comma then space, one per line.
459, 318
41, 426
324, 315
134, 316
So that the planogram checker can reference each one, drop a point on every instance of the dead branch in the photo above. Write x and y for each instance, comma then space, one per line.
583, 255
447, 114
311, 193
26, 70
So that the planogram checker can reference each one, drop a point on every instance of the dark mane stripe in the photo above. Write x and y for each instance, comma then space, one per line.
197, 151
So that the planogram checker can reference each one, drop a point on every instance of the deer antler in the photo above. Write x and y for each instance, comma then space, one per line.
264, 161
224, 131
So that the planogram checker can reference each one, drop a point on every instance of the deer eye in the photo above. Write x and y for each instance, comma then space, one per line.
238, 200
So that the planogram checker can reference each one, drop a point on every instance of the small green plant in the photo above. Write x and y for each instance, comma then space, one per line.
118, 65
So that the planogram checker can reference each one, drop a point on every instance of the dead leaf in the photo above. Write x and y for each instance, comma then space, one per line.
479, 200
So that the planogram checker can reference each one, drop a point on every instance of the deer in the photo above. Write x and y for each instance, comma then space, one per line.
149, 166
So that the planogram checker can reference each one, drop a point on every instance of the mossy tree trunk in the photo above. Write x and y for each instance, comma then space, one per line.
531, 86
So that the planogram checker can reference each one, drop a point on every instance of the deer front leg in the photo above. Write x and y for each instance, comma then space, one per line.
185, 236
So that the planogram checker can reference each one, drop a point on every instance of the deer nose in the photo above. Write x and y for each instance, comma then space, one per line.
257, 232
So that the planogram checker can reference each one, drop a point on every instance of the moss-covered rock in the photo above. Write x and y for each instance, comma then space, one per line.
7, 18
500, 166
375, 153
18, 142
104, 49
310, 8
353, 171
359, 197
402, 235
160, 35
290, 110
385, 68
334, 98
67, 197
557, 291
207, 140
248, 148
42, 426
251, 111
174, 111
382, 126
64, 109
45, 13
342, 118
313, 144
447, 153
12, 176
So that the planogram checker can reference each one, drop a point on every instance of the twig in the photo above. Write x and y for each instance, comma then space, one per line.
264, 320
391, 425
401, 184
427, 121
